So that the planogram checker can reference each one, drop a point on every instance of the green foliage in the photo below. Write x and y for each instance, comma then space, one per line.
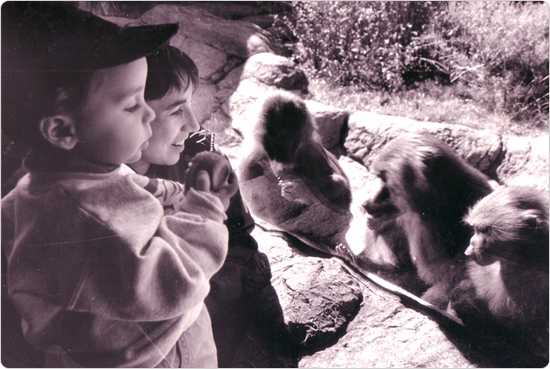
500, 49
494, 52
357, 42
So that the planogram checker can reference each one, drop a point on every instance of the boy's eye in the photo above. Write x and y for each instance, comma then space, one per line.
133, 108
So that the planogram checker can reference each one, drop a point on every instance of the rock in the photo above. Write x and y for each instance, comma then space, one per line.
319, 305
232, 10
368, 133
332, 123
383, 333
387, 334
239, 38
275, 70
508, 160
261, 20
525, 162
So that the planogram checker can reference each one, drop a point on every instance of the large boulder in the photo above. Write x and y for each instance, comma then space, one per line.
331, 122
318, 306
508, 160
525, 161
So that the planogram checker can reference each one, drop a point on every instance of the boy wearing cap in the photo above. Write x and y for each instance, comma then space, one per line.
95, 267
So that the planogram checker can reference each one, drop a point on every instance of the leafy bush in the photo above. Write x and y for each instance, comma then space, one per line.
498, 50
357, 42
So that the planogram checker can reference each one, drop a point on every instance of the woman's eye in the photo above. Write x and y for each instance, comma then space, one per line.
133, 108
177, 112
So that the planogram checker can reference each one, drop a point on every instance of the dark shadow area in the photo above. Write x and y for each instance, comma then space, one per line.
487, 349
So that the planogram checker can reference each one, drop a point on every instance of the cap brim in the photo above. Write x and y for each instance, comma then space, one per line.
57, 36
129, 44
141, 41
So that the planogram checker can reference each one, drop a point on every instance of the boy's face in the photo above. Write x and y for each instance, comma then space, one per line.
114, 124
174, 122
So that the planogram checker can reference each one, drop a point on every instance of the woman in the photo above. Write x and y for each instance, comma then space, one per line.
241, 289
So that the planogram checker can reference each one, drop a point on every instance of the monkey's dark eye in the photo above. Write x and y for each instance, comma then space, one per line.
382, 175
481, 229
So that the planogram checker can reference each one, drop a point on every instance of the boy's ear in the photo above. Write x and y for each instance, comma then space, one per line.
59, 130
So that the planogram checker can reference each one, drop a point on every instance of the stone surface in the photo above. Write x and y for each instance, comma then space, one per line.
332, 123
368, 133
318, 306
525, 162
383, 332
508, 160
275, 70
386, 334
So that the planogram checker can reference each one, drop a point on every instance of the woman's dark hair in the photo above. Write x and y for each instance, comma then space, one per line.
169, 68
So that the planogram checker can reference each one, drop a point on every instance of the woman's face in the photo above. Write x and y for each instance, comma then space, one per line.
173, 123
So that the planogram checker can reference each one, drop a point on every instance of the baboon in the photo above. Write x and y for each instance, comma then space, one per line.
290, 139
289, 179
507, 284
427, 188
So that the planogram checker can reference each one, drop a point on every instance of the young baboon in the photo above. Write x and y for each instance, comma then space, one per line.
288, 178
290, 138
428, 188
507, 285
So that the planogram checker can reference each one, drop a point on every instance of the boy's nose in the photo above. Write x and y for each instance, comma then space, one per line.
148, 115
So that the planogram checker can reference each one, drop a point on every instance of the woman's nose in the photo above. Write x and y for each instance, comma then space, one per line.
192, 123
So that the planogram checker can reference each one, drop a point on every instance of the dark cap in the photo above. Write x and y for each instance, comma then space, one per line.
59, 36
45, 42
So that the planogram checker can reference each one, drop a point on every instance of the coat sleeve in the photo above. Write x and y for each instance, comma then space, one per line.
109, 250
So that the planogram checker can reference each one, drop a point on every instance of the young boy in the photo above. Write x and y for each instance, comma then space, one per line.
241, 290
97, 271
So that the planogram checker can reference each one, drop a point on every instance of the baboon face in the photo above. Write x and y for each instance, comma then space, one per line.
511, 223
281, 147
480, 246
285, 121
380, 206
395, 178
